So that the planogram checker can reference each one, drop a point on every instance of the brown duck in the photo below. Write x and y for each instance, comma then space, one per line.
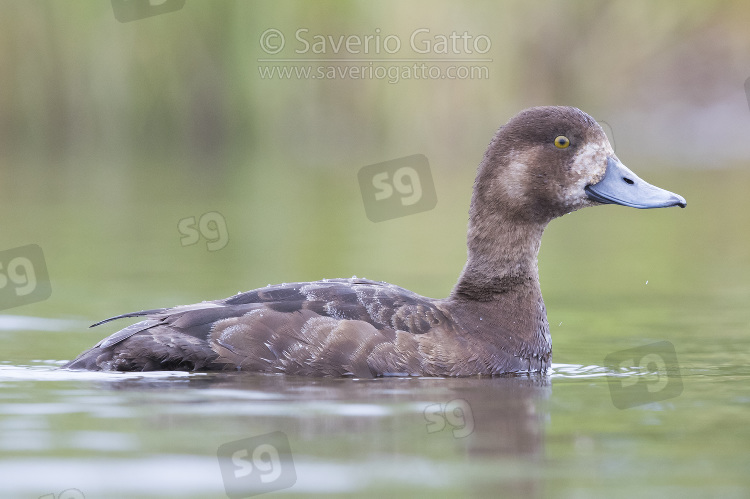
545, 162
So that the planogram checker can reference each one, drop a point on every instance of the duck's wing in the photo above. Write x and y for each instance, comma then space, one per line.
330, 327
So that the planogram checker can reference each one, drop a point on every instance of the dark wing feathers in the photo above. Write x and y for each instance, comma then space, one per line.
330, 327
126, 333
131, 314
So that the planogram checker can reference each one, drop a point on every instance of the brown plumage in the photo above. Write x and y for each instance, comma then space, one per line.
493, 322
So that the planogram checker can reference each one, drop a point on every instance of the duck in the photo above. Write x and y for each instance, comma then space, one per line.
545, 162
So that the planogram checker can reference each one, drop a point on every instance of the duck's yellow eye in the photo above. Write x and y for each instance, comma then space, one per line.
561, 141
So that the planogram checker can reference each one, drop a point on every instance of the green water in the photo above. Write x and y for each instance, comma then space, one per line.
613, 279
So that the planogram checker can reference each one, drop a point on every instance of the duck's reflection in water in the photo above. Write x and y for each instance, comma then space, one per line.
479, 433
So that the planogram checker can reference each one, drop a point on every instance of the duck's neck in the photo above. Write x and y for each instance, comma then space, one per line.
502, 260
500, 286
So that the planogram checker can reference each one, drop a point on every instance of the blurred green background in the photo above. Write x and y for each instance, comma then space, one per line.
111, 133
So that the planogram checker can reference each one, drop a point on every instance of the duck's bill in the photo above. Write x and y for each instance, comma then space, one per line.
621, 186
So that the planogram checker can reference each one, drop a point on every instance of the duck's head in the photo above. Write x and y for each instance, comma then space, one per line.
548, 161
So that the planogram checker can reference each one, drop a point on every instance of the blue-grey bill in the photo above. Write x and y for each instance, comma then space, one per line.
621, 186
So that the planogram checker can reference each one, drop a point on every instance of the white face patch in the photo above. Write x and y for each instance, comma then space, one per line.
588, 167
515, 176
591, 159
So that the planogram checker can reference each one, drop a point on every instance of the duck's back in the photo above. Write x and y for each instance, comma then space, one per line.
332, 327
